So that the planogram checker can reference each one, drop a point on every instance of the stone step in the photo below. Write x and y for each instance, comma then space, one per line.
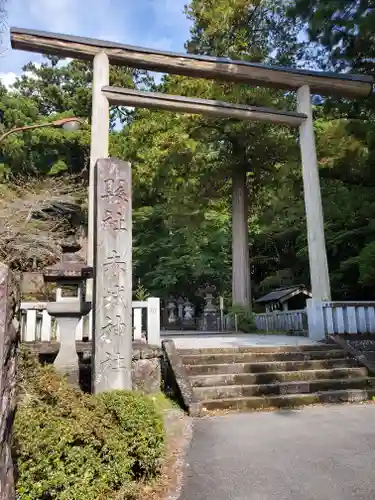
250, 357
288, 400
281, 388
272, 366
272, 377
258, 349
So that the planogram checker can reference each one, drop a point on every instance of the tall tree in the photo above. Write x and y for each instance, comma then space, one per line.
253, 30
256, 31
180, 233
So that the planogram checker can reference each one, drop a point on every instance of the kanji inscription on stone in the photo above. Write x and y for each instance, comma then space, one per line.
114, 219
114, 327
114, 264
112, 346
115, 296
113, 361
115, 190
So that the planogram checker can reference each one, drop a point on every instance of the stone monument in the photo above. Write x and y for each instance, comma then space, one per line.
189, 315
171, 307
180, 308
211, 318
112, 318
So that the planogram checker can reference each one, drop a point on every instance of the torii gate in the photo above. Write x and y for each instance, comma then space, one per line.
303, 81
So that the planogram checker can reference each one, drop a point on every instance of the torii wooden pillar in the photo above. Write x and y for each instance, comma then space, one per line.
319, 275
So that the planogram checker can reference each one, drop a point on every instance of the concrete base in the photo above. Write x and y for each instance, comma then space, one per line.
219, 340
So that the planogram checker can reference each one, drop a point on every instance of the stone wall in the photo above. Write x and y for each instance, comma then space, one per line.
9, 337
146, 364
147, 368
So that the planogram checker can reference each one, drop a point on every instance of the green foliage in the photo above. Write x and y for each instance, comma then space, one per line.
345, 28
242, 29
142, 426
180, 232
56, 86
341, 38
182, 164
366, 264
245, 318
141, 292
69, 445
348, 189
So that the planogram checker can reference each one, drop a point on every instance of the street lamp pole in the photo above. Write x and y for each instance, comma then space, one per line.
71, 123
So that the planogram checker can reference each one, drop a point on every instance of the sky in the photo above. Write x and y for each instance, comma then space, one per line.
159, 24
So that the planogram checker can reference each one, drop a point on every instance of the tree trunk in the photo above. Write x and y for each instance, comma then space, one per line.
241, 286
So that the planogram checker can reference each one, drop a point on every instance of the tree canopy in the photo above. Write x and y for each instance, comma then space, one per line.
182, 164
345, 28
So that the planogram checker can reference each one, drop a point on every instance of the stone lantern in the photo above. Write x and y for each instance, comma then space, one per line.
210, 312
171, 307
70, 273
189, 314
180, 308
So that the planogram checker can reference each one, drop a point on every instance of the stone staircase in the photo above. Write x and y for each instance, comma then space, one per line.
275, 377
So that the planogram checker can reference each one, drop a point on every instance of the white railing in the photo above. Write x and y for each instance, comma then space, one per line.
38, 326
328, 318
282, 321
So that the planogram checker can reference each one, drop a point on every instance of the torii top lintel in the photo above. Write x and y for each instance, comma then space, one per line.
344, 85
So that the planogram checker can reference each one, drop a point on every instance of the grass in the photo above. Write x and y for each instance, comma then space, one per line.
163, 403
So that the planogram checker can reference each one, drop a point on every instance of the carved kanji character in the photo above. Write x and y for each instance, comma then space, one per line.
114, 264
114, 328
114, 190
115, 296
114, 361
113, 220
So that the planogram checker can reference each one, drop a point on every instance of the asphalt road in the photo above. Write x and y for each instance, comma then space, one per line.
319, 453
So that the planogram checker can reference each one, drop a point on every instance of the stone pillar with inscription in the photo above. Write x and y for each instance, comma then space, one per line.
112, 341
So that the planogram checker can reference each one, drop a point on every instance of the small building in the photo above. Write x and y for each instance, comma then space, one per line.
288, 298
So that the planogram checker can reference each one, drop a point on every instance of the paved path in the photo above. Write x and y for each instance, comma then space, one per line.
219, 340
321, 453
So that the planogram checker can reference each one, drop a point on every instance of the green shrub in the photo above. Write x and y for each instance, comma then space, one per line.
245, 318
143, 428
67, 445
